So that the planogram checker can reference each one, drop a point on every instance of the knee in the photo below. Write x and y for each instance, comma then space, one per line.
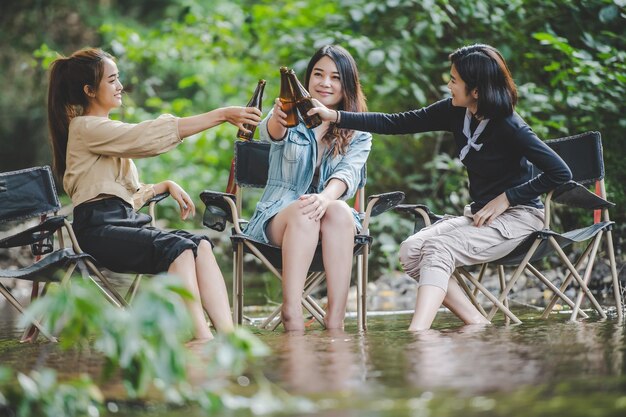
410, 251
205, 248
337, 216
303, 223
185, 256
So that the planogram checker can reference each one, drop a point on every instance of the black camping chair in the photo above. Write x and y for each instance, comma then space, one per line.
251, 170
583, 155
24, 195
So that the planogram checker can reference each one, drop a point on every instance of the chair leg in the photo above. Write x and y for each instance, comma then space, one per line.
577, 277
361, 288
502, 287
587, 275
566, 282
132, 290
311, 282
238, 284
558, 293
470, 293
13, 301
110, 293
518, 271
481, 274
498, 304
271, 317
616, 287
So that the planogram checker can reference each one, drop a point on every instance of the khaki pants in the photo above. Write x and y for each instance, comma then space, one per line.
431, 255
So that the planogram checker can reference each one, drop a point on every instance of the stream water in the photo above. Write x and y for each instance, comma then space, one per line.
539, 368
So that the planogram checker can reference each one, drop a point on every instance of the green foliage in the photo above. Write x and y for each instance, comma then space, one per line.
41, 394
191, 56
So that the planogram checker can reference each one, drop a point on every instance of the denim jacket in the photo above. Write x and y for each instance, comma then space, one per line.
292, 165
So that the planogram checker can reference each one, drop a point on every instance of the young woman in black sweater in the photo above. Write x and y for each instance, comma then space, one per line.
497, 147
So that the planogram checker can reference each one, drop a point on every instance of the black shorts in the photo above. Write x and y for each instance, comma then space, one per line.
118, 238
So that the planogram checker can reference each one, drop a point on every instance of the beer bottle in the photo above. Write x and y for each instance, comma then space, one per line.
287, 99
303, 102
255, 101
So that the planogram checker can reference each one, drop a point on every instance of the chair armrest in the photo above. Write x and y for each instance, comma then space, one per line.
220, 208
156, 199
380, 203
384, 202
34, 234
573, 194
422, 214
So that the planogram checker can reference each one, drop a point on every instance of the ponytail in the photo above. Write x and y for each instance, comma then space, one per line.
67, 99
60, 113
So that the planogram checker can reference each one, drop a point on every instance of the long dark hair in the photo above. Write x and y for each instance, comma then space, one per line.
353, 97
482, 67
67, 98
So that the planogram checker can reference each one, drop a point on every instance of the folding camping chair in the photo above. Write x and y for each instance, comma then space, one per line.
27, 194
251, 170
583, 155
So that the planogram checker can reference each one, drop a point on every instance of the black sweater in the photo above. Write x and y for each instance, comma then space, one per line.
502, 165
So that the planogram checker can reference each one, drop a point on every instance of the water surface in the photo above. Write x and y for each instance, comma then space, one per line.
539, 368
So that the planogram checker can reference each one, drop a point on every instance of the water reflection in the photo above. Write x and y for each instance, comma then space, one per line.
470, 360
318, 362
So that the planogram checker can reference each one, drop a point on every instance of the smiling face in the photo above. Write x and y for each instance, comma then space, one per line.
108, 96
458, 89
325, 83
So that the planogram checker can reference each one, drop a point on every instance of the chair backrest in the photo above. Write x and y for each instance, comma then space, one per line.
252, 163
27, 193
252, 160
583, 155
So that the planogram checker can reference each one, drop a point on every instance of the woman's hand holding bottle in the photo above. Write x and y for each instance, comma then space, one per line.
238, 116
326, 114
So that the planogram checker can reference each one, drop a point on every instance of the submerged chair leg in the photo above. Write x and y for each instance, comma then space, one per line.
587, 275
13, 301
566, 282
491, 297
558, 293
577, 277
616, 287
362, 278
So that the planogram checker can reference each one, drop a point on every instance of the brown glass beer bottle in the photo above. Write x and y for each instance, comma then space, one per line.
255, 101
287, 98
303, 102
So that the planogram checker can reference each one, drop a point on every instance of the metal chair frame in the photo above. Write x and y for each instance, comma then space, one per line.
546, 241
270, 255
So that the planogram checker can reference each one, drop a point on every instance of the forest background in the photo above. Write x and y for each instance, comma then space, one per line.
184, 57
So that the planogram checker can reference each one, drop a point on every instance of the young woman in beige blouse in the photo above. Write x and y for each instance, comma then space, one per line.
92, 154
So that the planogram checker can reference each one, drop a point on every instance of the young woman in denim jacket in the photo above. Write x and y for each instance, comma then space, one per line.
497, 147
312, 172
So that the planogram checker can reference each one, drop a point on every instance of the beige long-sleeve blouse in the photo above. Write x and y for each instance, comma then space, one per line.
99, 152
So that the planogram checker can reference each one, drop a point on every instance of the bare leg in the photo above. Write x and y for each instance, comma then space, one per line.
184, 267
457, 302
337, 230
298, 236
428, 301
212, 288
